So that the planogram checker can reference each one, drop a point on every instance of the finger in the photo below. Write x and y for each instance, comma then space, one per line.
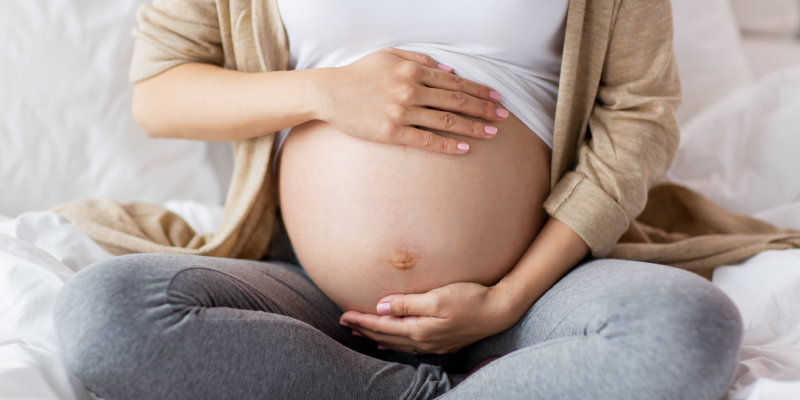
458, 102
386, 340
462, 103
419, 332
388, 325
350, 318
428, 140
450, 122
419, 58
455, 83
423, 305
414, 327
398, 343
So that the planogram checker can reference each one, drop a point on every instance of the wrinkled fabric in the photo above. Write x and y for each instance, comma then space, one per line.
209, 328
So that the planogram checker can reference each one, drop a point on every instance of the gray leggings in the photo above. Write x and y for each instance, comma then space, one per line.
157, 326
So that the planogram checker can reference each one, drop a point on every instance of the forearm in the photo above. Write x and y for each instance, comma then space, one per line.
206, 102
555, 251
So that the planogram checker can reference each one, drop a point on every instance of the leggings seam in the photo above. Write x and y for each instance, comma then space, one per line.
298, 293
313, 304
574, 309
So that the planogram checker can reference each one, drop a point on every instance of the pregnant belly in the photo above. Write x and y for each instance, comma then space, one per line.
370, 219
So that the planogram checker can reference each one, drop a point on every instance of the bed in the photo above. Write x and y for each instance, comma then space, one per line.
64, 96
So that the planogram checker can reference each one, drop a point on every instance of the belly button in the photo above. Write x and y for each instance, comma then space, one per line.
402, 260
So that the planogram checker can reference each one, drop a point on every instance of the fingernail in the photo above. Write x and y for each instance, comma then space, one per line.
384, 308
463, 146
502, 113
494, 95
490, 130
357, 333
445, 68
344, 323
382, 348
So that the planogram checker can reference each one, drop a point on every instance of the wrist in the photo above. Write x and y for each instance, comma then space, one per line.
320, 92
510, 302
555, 251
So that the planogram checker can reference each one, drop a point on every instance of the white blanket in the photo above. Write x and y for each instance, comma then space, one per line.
38, 253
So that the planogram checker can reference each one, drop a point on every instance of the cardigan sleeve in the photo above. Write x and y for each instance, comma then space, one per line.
632, 130
175, 32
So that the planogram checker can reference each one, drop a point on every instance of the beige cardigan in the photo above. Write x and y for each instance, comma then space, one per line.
615, 136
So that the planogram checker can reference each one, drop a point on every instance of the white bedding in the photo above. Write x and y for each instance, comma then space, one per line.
742, 151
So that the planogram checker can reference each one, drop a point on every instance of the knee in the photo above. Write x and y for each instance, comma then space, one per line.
693, 309
667, 297
695, 330
710, 332
93, 316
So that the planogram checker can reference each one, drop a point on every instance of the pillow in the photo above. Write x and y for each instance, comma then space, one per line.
771, 17
66, 130
768, 55
741, 153
710, 57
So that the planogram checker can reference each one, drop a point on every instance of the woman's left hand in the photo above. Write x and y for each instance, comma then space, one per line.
440, 321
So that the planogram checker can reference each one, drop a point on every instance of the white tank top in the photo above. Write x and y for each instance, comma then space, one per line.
513, 46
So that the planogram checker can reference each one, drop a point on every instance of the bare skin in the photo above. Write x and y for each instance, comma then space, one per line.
393, 98
371, 219
382, 98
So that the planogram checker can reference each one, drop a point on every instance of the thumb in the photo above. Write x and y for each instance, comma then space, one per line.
422, 305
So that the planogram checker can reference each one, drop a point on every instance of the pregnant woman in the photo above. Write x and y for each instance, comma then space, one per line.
443, 170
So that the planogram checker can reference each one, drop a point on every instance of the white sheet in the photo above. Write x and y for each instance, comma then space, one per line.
742, 152
38, 253
766, 289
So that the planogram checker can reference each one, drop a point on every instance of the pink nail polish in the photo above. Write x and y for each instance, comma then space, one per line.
382, 347
384, 308
494, 95
462, 146
502, 113
357, 333
445, 68
344, 323
490, 130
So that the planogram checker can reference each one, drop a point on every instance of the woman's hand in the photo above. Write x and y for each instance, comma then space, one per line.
451, 317
387, 95
440, 321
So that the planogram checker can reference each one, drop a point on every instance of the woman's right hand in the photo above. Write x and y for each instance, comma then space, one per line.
387, 95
